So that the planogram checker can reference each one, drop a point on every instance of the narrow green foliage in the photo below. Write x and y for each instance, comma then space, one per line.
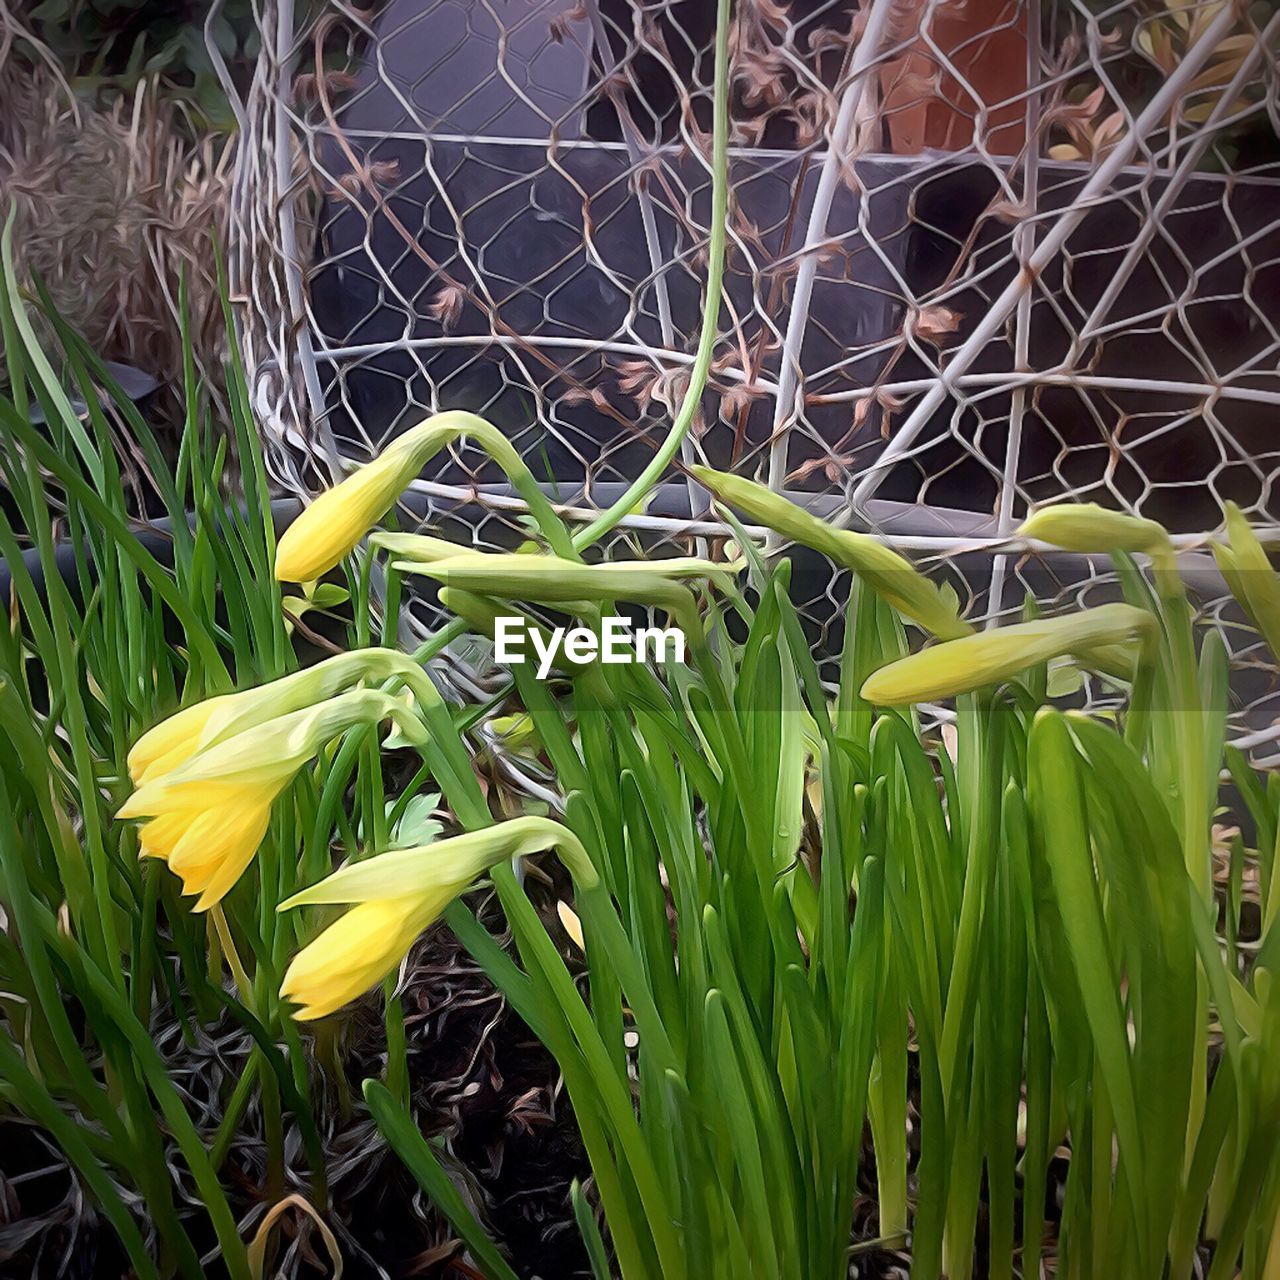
424, 1164
107, 631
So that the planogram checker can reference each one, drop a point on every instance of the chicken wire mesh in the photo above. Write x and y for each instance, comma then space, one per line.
982, 256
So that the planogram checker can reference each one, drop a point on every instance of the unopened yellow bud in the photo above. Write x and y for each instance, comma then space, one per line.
973, 662
395, 896
888, 574
174, 741
1090, 529
1249, 574
419, 547
552, 580
332, 526
549, 580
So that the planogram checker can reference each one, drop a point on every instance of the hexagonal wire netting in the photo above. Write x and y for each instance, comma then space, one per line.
982, 255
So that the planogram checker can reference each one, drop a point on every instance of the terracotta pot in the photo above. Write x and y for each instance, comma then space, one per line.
927, 107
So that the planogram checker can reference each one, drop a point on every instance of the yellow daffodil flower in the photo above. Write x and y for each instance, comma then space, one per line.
174, 741
208, 816
395, 896
960, 666
332, 526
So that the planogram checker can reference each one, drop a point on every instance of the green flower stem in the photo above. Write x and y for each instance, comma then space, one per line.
644, 482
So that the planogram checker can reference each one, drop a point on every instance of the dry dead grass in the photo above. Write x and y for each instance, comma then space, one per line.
112, 204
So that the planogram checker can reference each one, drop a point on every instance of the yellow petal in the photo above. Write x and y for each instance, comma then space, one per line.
334, 523
572, 925
354, 953
172, 741
216, 849
209, 849
173, 795
157, 837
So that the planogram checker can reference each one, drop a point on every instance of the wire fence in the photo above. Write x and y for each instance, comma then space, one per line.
982, 256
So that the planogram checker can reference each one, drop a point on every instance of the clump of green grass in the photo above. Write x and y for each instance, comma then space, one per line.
792, 904
786, 898
109, 629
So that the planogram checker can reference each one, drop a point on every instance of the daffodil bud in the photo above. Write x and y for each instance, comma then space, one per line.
549, 580
973, 662
1249, 574
1229, 566
208, 816
517, 733
395, 896
888, 574
1087, 528
332, 526
174, 741
419, 547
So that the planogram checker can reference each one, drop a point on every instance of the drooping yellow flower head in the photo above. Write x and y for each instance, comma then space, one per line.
332, 526
208, 816
353, 954
209, 848
395, 896
973, 662
888, 574
176, 740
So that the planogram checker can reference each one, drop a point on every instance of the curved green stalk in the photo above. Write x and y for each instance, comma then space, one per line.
645, 481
